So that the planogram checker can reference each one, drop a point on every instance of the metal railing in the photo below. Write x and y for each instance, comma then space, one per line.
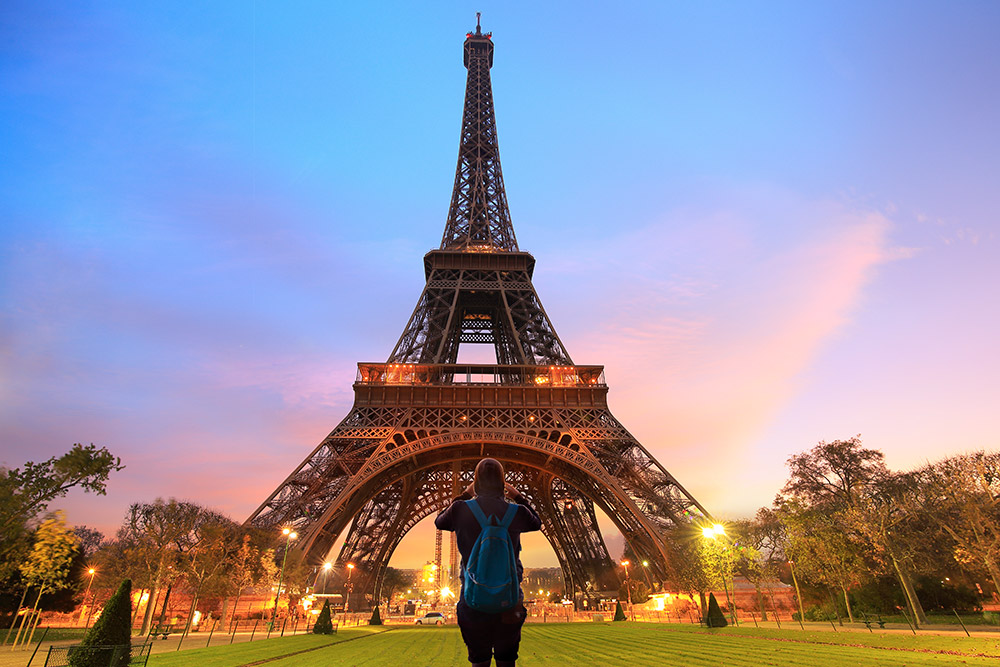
98, 656
479, 374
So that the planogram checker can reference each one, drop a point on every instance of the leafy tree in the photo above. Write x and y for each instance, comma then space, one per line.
765, 543
205, 552
323, 625
833, 474
963, 494
89, 539
885, 518
823, 549
113, 628
393, 580
26, 492
154, 533
715, 618
244, 569
51, 556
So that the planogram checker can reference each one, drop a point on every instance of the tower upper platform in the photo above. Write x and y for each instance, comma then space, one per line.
478, 218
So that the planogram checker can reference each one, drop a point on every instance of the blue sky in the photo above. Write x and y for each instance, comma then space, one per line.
773, 223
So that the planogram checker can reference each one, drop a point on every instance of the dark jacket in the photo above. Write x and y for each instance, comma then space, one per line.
459, 518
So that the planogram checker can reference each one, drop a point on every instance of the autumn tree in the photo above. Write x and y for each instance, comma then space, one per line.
823, 550
964, 492
205, 552
153, 533
846, 490
765, 540
886, 519
48, 565
26, 492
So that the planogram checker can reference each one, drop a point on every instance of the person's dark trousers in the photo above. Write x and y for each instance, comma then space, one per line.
490, 635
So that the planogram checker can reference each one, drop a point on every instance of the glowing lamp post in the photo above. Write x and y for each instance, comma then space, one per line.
347, 600
628, 589
90, 609
289, 536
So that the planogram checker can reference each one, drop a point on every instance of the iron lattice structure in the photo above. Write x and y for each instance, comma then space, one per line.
421, 421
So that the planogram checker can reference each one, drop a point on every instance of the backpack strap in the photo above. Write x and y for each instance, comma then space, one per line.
509, 516
477, 512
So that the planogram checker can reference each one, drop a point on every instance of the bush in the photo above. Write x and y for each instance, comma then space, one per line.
323, 625
715, 617
376, 619
113, 628
619, 612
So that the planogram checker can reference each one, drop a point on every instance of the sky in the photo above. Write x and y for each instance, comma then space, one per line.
773, 224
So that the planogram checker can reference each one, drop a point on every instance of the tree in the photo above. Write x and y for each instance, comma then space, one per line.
51, 556
323, 625
964, 494
26, 492
392, 580
113, 628
619, 612
833, 474
885, 518
244, 570
89, 539
154, 532
205, 551
715, 618
823, 549
766, 542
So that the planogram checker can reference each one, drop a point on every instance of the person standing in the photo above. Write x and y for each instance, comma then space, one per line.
488, 635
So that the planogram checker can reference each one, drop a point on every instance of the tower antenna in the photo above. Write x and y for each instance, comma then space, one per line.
478, 31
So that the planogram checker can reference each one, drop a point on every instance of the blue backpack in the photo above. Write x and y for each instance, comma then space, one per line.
489, 579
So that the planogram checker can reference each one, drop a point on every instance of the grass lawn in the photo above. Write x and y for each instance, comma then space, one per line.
605, 644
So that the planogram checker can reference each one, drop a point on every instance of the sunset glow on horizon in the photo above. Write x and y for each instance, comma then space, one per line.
771, 227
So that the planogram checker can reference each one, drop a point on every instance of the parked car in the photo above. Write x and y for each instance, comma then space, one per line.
432, 618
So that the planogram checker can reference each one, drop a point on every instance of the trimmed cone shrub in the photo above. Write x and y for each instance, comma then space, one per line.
619, 612
323, 625
113, 628
715, 618
376, 619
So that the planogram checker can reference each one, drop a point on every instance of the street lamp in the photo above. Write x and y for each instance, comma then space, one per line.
628, 589
289, 536
645, 571
91, 572
347, 600
326, 573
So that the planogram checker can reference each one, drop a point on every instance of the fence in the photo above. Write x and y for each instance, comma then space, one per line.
97, 656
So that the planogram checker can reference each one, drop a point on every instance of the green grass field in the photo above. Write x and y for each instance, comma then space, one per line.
604, 644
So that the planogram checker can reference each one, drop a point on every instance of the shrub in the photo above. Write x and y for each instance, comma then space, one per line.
376, 619
113, 628
323, 625
619, 612
715, 617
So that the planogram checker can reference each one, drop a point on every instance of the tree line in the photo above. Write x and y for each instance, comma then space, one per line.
860, 537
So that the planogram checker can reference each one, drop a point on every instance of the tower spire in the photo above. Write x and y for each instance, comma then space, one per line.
478, 218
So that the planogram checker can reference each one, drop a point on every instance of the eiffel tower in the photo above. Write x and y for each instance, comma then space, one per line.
421, 420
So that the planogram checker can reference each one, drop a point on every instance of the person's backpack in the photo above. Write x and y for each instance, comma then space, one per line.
489, 580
